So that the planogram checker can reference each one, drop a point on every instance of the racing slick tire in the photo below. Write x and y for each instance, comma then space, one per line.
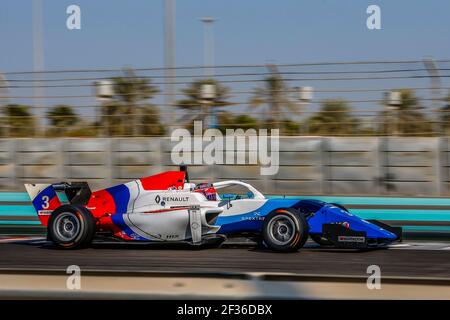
71, 227
285, 230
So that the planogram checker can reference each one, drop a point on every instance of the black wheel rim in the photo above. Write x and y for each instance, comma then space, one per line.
67, 227
281, 229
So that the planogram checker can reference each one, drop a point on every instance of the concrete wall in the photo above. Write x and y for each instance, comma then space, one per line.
308, 165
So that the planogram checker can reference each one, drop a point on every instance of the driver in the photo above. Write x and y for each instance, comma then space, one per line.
208, 190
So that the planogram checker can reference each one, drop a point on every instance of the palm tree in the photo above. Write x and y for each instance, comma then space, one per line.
150, 121
195, 104
112, 119
333, 118
62, 117
273, 93
408, 118
227, 120
445, 115
129, 90
19, 120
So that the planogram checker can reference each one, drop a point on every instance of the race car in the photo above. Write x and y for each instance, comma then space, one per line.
167, 207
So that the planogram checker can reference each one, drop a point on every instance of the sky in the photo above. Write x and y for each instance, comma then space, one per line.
119, 33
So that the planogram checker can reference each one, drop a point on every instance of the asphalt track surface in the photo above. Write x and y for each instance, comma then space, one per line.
404, 260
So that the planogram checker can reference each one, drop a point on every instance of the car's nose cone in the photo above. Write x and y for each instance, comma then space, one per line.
358, 224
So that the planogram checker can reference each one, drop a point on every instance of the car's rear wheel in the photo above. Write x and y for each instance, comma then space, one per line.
71, 227
285, 230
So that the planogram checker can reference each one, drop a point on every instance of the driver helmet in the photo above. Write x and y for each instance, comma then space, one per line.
208, 190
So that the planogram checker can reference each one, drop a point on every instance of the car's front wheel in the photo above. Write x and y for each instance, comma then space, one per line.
71, 227
285, 230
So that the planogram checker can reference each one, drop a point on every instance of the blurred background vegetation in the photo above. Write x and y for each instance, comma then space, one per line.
270, 103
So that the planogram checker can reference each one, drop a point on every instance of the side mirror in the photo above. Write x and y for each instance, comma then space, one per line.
228, 197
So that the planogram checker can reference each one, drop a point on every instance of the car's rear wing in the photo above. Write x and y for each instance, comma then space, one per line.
48, 197
75, 192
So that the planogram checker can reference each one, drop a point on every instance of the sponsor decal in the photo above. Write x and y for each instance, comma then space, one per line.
175, 199
45, 212
162, 200
255, 217
351, 239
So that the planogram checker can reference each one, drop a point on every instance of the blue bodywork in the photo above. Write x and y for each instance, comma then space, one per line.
317, 214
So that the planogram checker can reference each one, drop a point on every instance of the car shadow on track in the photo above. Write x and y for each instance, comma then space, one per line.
128, 246
47, 245
112, 245
312, 247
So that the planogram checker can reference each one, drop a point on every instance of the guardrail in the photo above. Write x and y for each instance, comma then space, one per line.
378, 166
415, 215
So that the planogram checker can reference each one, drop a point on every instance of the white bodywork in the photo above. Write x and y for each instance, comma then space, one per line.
174, 215
163, 215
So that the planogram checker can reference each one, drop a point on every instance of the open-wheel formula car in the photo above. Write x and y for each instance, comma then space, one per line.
167, 207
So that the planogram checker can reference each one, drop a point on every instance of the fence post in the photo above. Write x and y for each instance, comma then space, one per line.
14, 162
384, 165
269, 183
62, 159
324, 162
440, 166
110, 163
378, 166
445, 165
160, 162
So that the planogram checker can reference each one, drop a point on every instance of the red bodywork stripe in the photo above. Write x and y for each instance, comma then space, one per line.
166, 210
